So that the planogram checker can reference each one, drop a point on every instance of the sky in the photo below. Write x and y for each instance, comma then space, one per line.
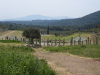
10, 9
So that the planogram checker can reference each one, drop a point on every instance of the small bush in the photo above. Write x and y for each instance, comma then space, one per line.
56, 34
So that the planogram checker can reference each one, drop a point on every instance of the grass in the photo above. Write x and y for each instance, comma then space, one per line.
67, 38
10, 41
1, 33
92, 51
14, 62
13, 44
16, 48
17, 33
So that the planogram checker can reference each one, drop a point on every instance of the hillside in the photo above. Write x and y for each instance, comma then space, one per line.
88, 19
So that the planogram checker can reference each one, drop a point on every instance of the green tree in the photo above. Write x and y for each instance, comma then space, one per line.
56, 34
10, 26
3, 27
31, 33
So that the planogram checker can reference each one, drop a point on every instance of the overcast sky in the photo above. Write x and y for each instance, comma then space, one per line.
72, 8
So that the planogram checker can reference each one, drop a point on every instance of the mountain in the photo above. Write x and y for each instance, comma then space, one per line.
38, 17
88, 19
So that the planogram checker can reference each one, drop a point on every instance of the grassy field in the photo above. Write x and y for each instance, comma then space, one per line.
19, 60
1, 33
92, 51
67, 38
17, 33
10, 41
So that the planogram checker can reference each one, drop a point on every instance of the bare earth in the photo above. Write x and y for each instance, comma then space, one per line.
67, 64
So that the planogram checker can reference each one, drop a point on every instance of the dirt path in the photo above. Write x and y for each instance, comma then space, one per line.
7, 34
67, 64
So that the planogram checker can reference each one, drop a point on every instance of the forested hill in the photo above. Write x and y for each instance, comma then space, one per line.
88, 19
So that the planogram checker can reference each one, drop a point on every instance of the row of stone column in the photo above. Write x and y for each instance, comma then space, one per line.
22, 39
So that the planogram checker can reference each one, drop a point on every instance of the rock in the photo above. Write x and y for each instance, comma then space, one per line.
58, 45
27, 45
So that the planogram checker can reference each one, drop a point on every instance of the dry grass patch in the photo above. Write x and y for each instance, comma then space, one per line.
17, 33
1, 33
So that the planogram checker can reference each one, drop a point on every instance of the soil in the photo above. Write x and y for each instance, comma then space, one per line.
68, 64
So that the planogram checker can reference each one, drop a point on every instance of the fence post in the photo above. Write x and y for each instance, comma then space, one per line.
29, 39
96, 41
59, 41
33, 41
74, 42
17, 39
21, 39
55, 42
2, 38
9, 38
82, 42
6, 38
40, 42
63, 42
71, 42
88, 40
25, 40
44, 41
47, 42
51, 42
36, 41
78, 41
